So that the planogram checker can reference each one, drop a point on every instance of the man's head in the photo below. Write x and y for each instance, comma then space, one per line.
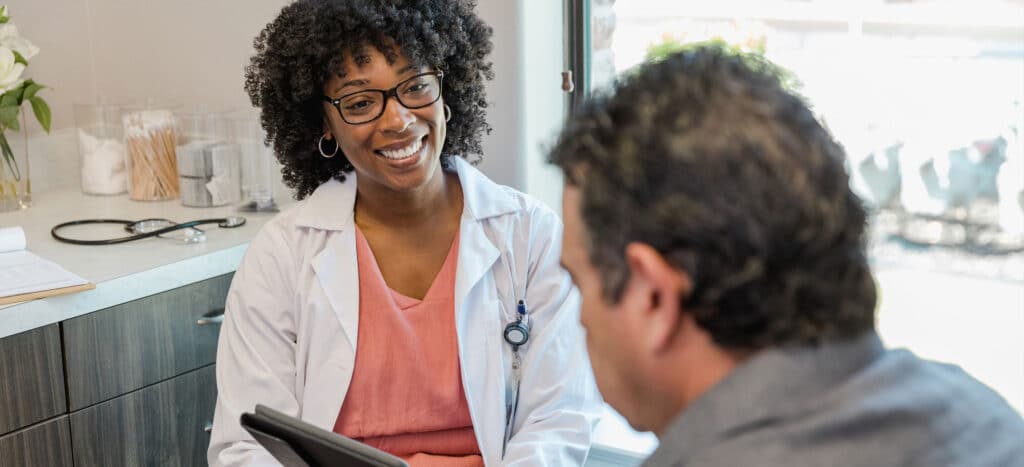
708, 216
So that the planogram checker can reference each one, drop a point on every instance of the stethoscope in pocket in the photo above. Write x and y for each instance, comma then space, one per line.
146, 228
516, 334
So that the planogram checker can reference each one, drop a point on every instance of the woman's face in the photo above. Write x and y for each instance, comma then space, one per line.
401, 149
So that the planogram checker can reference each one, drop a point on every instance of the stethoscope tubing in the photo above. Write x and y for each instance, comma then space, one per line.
221, 222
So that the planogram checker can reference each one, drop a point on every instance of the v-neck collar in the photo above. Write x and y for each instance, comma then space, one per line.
400, 300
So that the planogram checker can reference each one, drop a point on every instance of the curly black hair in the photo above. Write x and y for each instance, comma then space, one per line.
305, 45
708, 158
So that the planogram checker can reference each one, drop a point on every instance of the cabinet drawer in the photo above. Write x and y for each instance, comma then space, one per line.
161, 425
135, 344
44, 445
31, 378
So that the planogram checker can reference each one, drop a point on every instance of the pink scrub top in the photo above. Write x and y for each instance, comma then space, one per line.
406, 394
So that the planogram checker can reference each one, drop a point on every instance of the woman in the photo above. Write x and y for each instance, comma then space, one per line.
378, 305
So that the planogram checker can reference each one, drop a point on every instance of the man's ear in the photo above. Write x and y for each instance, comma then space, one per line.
666, 287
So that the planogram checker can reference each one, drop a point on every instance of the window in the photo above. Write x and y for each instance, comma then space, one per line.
928, 99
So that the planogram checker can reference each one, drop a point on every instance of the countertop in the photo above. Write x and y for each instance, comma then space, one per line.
122, 272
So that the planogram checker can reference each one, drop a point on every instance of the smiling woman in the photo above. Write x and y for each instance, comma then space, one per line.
401, 249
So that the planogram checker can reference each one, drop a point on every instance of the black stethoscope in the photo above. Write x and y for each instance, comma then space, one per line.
146, 228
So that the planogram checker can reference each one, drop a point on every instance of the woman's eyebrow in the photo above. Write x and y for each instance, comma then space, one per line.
364, 82
355, 82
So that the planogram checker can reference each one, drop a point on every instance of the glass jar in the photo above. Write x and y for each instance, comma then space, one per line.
151, 155
257, 164
208, 162
101, 148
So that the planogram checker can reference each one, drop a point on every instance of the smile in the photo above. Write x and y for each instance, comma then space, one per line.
404, 152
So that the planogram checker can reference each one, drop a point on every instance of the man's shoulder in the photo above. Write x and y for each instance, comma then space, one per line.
897, 410
902, 407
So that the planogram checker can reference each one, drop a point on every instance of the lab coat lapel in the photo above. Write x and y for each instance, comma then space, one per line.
476, 326
330, 210
337, 271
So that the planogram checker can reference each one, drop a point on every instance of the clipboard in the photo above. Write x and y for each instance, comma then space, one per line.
45, 293
295, 443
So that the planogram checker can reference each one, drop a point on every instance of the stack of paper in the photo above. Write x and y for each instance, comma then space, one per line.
26, 276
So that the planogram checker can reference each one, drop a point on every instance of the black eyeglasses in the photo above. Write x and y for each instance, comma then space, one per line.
368, 105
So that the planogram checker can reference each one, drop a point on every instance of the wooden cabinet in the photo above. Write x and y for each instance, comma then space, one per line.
44, 445
140, 387
163, 424
129, 346
31, 378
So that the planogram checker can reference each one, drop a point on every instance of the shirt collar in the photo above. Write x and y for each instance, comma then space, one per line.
771, 383
331, 205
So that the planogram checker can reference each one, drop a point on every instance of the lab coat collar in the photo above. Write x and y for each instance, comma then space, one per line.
330, 207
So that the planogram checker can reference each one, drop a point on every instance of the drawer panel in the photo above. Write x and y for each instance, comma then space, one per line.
44, 445
31, 378
135, 344
161, 425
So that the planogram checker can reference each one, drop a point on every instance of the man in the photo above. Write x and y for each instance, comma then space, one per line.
728, 302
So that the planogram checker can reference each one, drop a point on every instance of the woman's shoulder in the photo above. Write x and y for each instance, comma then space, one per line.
492, 198
280, 229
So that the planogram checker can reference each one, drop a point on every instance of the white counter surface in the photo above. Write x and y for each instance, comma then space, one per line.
122, 272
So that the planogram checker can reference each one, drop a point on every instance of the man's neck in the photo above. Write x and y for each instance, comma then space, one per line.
702, 367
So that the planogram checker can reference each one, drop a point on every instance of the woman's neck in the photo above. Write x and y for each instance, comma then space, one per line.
438, 199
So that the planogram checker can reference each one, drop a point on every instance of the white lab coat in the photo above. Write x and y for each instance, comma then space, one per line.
289, 335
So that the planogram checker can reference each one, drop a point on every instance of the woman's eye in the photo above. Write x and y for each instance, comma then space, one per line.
358, 105
416, 88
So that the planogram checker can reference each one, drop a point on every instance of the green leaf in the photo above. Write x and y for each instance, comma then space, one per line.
12, 97
4, 20
31, 88
5, 148
19, 59
42, 112
9, 117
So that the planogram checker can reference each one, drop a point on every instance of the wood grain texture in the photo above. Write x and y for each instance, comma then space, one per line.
44, 445
160, 425
31, 378
135, 344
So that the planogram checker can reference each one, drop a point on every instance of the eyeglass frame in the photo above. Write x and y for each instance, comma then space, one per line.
388, 93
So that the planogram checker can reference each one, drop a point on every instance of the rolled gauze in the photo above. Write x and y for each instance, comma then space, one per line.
12, 239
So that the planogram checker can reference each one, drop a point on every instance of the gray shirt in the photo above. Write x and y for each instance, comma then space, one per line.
850, 403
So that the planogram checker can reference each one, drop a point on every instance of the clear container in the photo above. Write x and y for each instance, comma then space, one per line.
101, 148
257, 164
151, 155
208, 162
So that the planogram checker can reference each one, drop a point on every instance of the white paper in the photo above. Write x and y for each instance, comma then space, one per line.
11, 239
21, 271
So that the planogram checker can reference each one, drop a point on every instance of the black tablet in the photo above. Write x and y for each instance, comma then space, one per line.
295, 443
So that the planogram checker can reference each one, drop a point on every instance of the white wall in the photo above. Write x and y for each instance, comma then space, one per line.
528, 103
188, 52
193, 53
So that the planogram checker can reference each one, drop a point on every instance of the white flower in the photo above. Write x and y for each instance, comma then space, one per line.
10, 72
9, 38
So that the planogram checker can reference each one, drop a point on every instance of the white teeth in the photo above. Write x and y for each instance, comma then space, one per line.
404, 152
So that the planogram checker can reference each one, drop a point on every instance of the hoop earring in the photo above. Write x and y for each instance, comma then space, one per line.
320, 146
447, 113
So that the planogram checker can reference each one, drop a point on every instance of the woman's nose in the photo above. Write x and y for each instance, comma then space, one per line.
396, 117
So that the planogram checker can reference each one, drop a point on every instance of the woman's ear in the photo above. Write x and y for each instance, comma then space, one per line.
667, 288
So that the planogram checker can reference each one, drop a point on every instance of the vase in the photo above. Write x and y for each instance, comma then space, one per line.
15, 174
